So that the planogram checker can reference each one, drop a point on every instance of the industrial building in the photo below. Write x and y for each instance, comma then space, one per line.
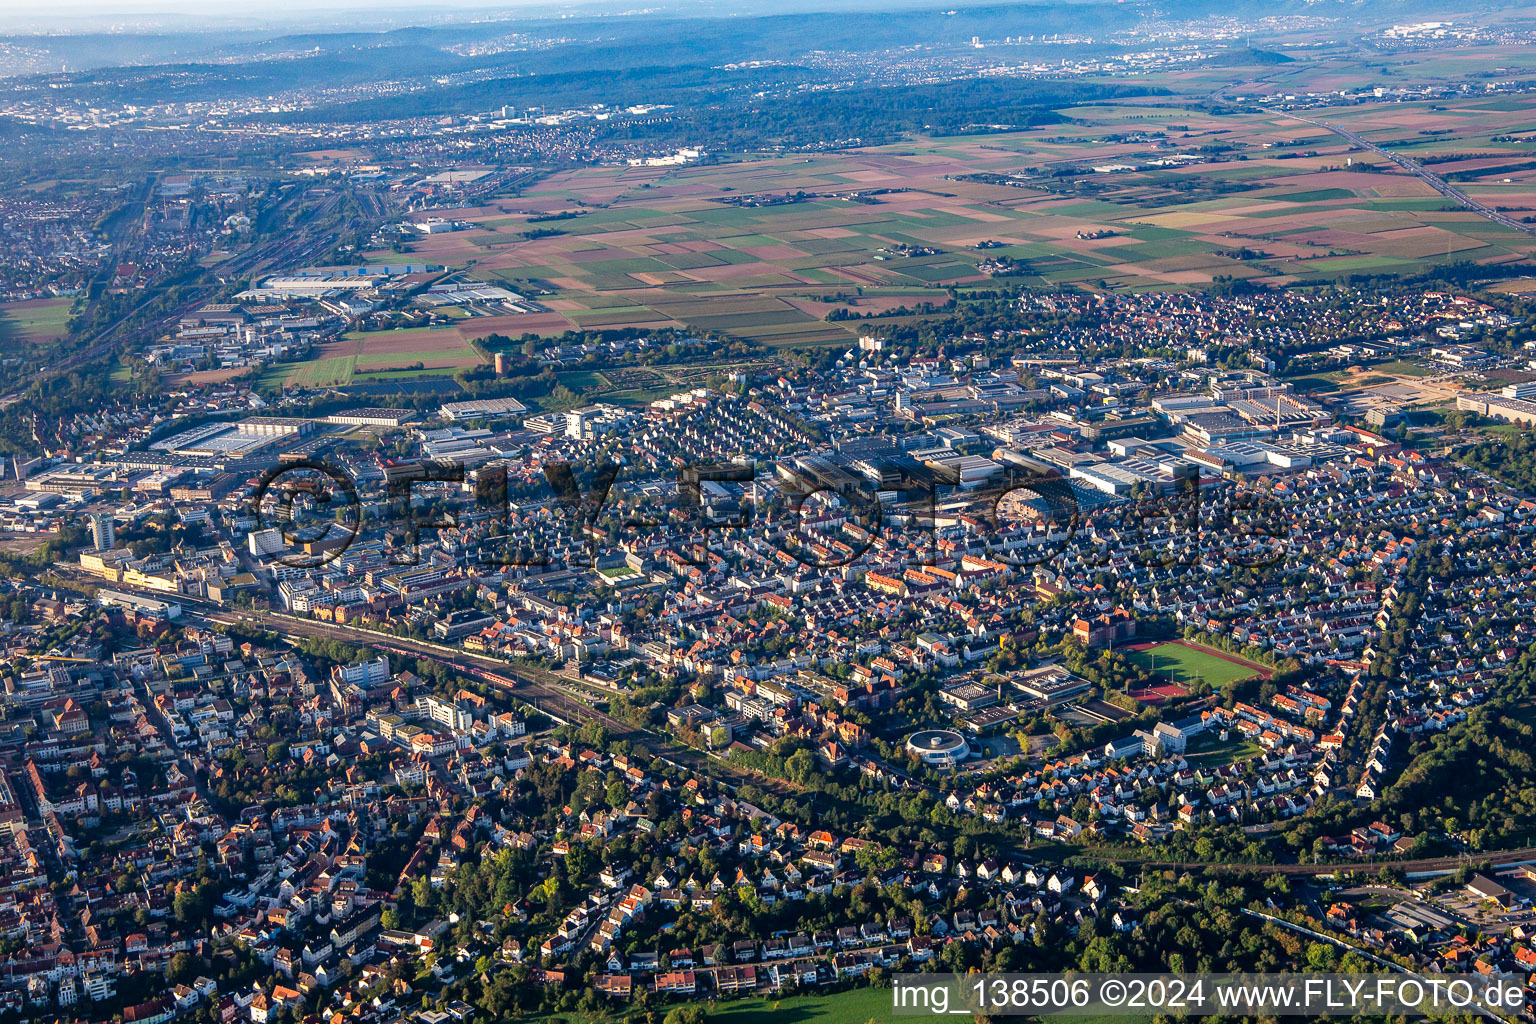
372, 417
74, 479
483, 409
1512, 410
144, 607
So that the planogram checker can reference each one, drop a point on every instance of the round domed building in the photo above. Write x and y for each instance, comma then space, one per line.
938, 748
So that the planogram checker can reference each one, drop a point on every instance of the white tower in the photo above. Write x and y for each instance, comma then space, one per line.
103, 532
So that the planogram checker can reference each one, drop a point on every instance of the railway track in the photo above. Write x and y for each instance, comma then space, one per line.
556, 699
254, 261
1499, 858
553, 697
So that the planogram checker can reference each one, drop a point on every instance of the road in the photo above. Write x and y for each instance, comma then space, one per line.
558, 699
163, 726
1416, 169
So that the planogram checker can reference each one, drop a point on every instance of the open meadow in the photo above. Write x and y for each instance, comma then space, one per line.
36, 321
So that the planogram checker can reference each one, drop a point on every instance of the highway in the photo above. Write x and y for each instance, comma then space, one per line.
1416, 169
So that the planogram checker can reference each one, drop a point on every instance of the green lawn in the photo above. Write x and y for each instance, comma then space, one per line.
1212, 753
37, 320
855, 1006
1189, 665
1501, 429
640, 396
1319, 383
583, 380
1405, 369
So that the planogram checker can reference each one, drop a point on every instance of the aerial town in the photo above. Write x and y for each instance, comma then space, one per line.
618, 555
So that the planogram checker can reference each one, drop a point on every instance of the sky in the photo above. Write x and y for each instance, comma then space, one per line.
140, 15
117, 8
26, 17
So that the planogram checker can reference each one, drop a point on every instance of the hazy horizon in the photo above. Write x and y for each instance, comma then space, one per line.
148, 16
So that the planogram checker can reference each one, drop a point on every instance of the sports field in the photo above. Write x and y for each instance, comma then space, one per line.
1190, 665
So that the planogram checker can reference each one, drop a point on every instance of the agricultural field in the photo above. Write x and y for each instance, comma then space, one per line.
375, 355
37, 321
766, 248
1188, 665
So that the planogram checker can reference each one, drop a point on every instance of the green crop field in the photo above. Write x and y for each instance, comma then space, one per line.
425, 355
728, 246
312, 372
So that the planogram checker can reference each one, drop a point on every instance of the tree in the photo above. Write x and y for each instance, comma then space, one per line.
421, 892
1321, 957
691, 1013
181, 970
189, 906
800, 766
